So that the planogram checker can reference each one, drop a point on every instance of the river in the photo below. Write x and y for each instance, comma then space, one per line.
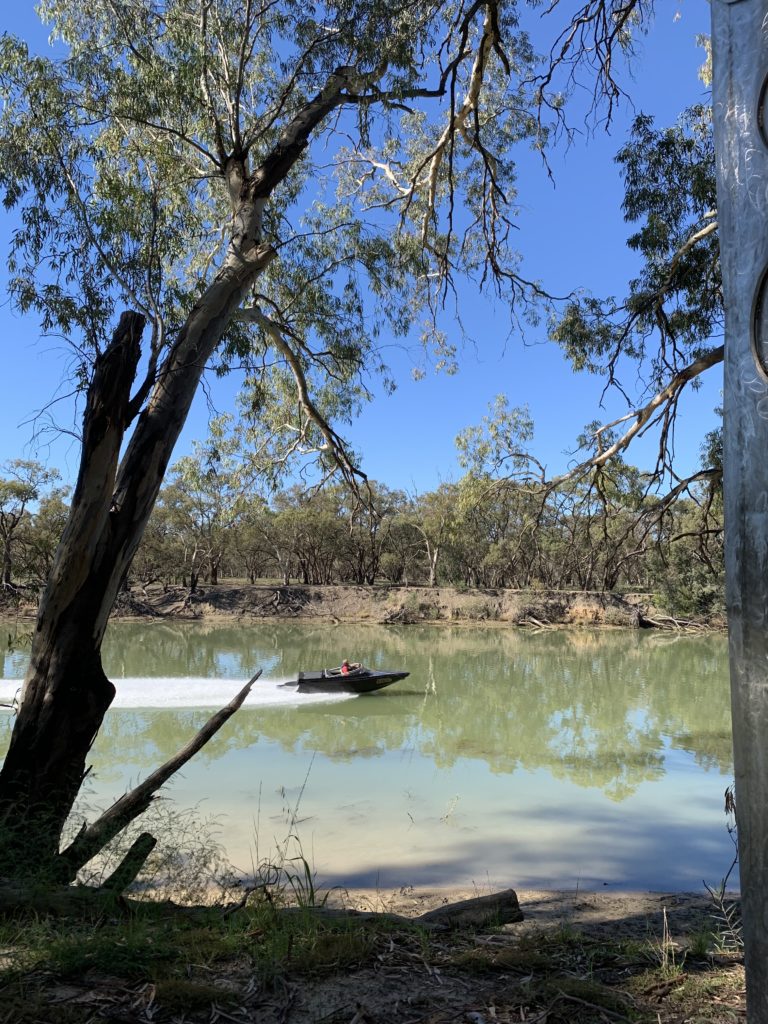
555, 759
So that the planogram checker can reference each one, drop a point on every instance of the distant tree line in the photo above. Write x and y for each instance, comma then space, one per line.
602, 534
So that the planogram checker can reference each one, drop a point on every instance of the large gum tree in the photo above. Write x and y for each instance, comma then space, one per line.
266, 184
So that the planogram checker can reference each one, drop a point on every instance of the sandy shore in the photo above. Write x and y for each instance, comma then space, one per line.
616, 914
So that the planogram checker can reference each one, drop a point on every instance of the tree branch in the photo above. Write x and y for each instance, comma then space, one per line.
334, 444
643, 415
94, 837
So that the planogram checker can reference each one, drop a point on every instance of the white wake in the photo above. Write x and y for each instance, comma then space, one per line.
191, 692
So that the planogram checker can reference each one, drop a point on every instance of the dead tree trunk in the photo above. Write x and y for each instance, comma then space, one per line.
66, 692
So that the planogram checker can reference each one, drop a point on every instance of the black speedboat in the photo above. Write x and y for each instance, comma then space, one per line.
332, 680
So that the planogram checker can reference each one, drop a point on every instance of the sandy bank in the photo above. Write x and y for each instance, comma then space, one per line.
606, 913
387, 605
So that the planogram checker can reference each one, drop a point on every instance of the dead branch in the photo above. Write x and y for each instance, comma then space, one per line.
669, 622
131, 864
92, 838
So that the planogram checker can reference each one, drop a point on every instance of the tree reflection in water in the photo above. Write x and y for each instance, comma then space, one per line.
604, 710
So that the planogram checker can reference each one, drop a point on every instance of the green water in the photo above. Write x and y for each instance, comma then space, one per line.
506, 758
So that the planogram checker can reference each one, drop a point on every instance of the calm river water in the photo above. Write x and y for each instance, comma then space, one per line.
550, 759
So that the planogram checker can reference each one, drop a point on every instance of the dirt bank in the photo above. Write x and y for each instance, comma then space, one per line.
381, 604
387, 605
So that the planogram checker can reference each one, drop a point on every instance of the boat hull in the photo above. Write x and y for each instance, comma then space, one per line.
354, 682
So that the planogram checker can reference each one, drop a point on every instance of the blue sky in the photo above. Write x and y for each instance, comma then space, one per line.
571, 235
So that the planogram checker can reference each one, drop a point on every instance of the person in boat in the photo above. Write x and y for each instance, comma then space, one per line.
346, 667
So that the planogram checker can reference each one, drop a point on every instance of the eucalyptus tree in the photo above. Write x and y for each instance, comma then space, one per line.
264, 185
160, 555
40, 534
402, 561
204, 500
503, 471
195, 535
369, 527
503, 526
669, 323
310, 523
686, 565
274, 532
671, 320
21, 486
251, 552
436, 518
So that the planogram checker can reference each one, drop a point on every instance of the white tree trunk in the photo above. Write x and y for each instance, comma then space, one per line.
740, 74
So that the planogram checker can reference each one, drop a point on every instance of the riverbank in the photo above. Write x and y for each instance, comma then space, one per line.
382, 604
611, 914
389, 605
577, 957
386, 605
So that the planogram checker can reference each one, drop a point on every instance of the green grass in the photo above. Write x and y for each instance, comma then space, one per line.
152, 947
137, 946
189, 963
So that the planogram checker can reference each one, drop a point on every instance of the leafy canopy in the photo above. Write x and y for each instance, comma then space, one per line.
125, 157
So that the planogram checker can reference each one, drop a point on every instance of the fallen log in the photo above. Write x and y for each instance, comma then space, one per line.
80, 900
495, 908
481, 911
669, 622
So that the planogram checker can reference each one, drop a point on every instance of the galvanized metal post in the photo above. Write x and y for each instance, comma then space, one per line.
740, 85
